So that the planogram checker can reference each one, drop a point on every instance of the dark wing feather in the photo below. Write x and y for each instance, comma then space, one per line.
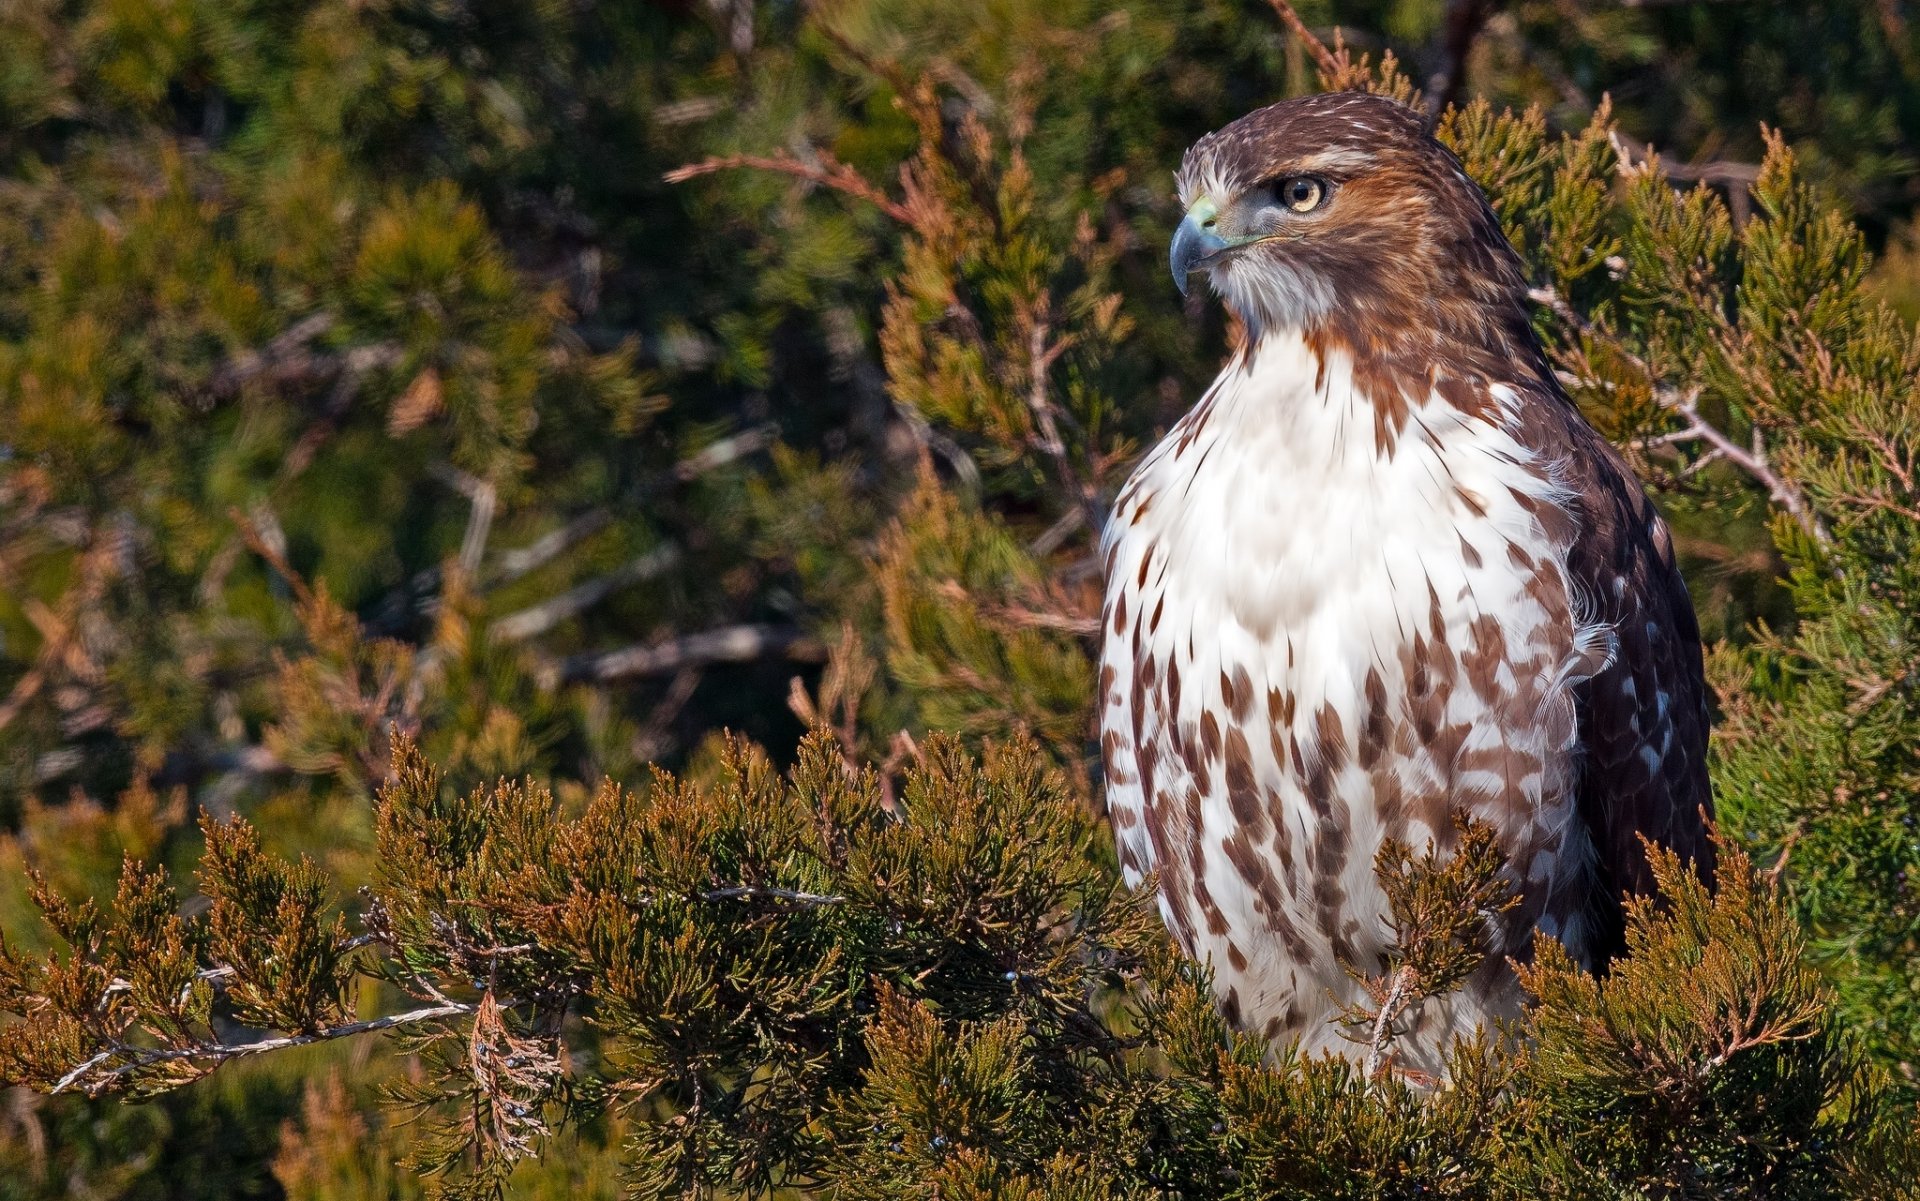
1643, 721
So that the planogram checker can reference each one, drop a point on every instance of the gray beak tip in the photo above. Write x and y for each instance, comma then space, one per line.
1192, 246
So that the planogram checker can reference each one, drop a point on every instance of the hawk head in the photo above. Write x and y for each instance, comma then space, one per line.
1340, 205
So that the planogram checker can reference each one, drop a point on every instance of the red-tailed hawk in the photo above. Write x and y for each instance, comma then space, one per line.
1383, 569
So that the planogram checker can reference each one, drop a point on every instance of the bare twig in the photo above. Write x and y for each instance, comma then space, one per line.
731, 644
1022, 616
218, 1053
833, 174
1055, 536
349, 368
1323, 58
1040, 360
747, 892
261, 545
538, 619
1400, 994
483, 496
1752, 459
1736, 177
653, 739
545, 549
285, 356
726, 450
60, 627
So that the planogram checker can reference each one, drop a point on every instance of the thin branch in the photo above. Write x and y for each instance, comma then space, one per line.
218, 1053
730, 644
726, 450
834, 174
1040, 360
418, 594
1021, 616
483, 496
775, 894
1751, 459
1637, 155
1055, 536
261, 545
1322, 57
1465, 21
284, 357
1397, 998
545, 549
651, 743
61, 627
538, 619
350, 367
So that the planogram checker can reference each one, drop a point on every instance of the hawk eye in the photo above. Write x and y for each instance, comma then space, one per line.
1301, 193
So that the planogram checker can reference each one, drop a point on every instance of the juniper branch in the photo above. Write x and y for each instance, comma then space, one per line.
1685, 404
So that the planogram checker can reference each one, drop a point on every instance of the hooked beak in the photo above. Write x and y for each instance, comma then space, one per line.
1194, 243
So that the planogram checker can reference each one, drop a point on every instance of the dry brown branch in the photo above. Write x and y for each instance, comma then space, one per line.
262, 546
60, 626
1323, 58
1020, 616
833, 174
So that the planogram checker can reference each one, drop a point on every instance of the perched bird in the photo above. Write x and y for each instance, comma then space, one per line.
1382, 570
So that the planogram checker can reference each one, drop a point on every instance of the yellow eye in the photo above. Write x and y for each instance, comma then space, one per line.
1302, 193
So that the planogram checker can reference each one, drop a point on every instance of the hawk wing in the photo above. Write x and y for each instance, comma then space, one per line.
1643, 720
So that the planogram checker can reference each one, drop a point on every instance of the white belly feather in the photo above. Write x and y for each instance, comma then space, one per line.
1268, 542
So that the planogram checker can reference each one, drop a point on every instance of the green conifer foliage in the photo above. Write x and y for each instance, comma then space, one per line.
784, 983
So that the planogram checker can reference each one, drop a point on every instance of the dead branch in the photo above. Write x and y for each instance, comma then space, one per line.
60, 627
483, 496
284, 357
834, 174
730, 644
1323, 58
1040, 360
216, 1053
1400, 994
1055, 536
545, 549
538, 619
1752, 459
261, 545
653, 740
726, 450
